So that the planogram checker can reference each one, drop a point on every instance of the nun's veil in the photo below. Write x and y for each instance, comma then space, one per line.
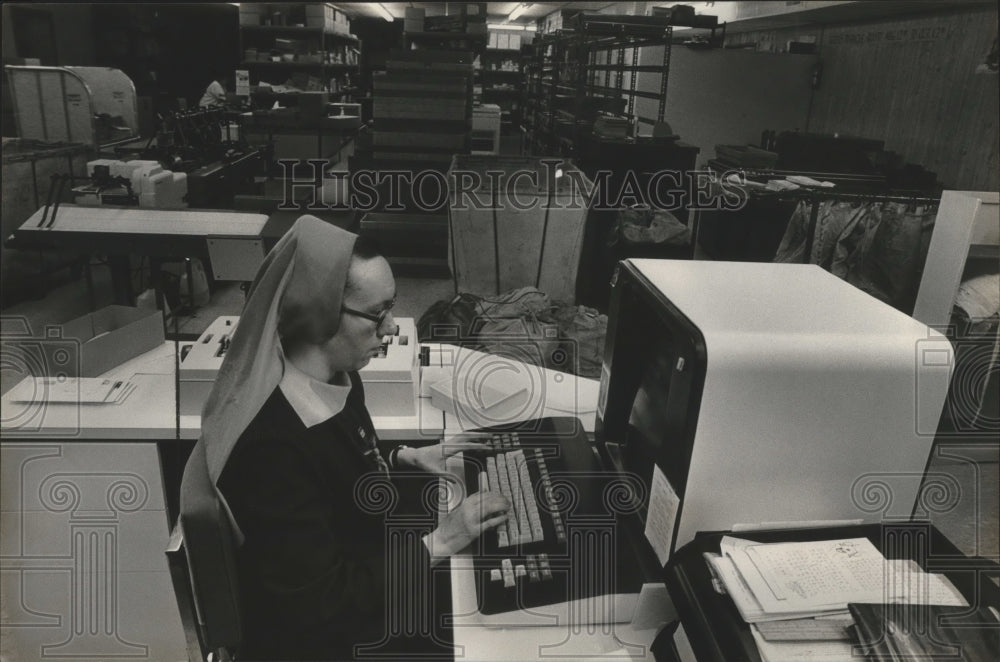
298, 289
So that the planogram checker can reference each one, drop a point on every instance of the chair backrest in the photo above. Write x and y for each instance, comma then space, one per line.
209, 551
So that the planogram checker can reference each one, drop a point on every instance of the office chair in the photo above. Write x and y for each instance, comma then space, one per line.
202, 560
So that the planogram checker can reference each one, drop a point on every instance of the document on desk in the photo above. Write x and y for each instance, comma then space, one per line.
811, 577
748, 605
70, 390
795, 576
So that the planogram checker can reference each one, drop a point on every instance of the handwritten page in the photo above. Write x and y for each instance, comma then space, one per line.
811, 575
663, 506
826, 575
743, 596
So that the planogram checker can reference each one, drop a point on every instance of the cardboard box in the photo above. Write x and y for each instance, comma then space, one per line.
112, 335
477, 9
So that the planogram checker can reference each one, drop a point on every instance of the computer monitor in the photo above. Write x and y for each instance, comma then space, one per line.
762, 394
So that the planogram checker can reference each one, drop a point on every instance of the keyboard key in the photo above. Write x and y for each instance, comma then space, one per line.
484, 482
502, 539
520, 571
544, 567
533, 573
491, 473
495, 575
508, 573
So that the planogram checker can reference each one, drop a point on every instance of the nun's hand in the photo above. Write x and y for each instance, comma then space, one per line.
477, 513
433, 459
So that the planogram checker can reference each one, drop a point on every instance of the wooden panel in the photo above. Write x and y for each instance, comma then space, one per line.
912, 83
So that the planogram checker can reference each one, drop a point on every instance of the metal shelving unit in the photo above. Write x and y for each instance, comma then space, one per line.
576, 74
320, 41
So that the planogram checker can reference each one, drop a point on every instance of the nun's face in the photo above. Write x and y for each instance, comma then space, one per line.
358, 339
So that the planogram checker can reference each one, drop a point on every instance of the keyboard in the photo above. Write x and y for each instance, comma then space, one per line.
561, 540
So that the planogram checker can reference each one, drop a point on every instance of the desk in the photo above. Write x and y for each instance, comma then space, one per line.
99, 474
87, 487
714, 627
122, 231
295, 136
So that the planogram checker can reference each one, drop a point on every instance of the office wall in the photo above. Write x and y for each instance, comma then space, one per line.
913, 83
728, 97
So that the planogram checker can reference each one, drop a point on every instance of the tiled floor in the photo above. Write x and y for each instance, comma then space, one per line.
966, 508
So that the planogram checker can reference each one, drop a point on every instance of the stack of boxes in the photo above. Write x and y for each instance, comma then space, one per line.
325, 15
313, 15
422, 108
471, 22
475, 18
422, 117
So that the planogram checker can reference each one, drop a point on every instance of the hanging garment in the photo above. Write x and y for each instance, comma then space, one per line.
878, 247
793, 244
884, 250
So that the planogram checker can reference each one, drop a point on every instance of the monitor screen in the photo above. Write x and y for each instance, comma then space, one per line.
655, 370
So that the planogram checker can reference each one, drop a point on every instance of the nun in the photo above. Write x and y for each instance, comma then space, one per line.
286, 442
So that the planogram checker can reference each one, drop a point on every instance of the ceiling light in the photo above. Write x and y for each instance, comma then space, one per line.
520, 9
385, 13
505, 26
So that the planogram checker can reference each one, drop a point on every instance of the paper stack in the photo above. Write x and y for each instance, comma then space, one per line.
796, 594
71, 390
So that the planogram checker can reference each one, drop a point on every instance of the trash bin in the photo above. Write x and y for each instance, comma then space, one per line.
522, 225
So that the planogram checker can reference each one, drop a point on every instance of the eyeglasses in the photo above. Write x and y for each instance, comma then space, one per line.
379, 319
